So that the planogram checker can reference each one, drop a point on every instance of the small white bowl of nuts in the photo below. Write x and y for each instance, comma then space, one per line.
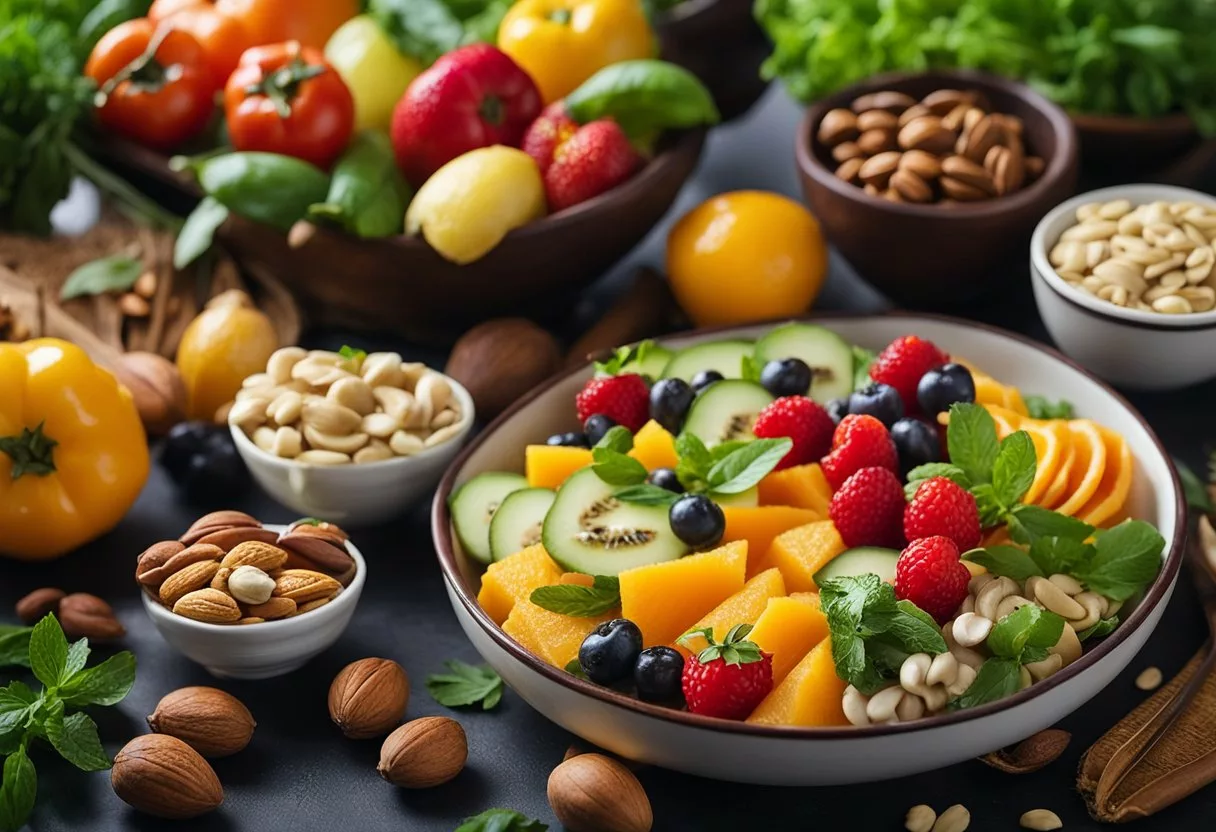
351, 437
1125, 280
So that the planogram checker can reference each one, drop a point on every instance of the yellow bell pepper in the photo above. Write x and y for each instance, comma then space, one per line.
73, 454
562, 43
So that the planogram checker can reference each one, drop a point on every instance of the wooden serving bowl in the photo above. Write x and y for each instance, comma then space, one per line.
936, 256
1121, 149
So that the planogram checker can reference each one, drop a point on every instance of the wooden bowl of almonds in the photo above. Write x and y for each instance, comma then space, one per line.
929, 183
1125, 280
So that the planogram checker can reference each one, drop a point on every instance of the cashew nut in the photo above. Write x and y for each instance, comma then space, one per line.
882, 705
330, 418
1053, 598
263, 437
1070, 585
909, 708
345, 444
854, 705
1009, 605
971, 629
442, 435
913, 671
988, 598
943, 671
354, 393
376, 451
288, 443
434, 388
966, 675
383, 369
279, 365
1069, 646
286, 408
395, 402
248, 413
405, 444
1094, 605
380, 425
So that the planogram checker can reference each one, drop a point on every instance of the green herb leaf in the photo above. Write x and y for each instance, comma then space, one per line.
617, 439
1100, 630
734, 649
1028, 523
75, 738
15, 646
1126, 559
422, 29
352, 353
996, 679
745, 467
501, 820
931, 470
1007, 561
580, 601
15, 702
1056, 555
1009, 635
117, 273
863, 359
465, 685
78, 655
1193, 487
616, 468
198, 232
623, 357
48, 651
647, 495
695, 458
644, 97
1040, 407
971, 439
722, 450
1014, 468
915, 630
986, 503
105, 684
18, 791
751, 369
574, 668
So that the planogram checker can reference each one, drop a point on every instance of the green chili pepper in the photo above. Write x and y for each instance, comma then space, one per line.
264, 187
367, 195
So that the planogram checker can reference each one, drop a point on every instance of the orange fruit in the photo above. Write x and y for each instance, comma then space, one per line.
746, 256
1088, 465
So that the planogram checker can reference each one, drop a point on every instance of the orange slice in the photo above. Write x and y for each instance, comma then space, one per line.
1057, 489
1014, 401
1006, 420
1048, 448
1107, 501
988, 390
1087, 467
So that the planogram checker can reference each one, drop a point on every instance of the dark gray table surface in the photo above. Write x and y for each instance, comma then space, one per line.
301, 774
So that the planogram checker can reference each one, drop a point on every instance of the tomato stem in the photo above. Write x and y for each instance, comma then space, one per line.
282, 85
32, 452
145, 72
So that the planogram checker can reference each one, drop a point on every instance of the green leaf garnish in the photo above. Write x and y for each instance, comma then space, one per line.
971, 439
997, 678
616, 438
1196, 492
622, 357
616, 468
733, 649
929, 471
98, 277
1014, 468
464, 685
647, 495
1041, 407
501, 820
862, 360
1007, 561
1126, 558
746, 466
580, 601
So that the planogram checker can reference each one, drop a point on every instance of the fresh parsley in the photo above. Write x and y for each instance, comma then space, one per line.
465, 685
501, 820
580, 601
1040, 407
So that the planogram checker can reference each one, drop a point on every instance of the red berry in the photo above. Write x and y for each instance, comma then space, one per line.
940, 507
860, 441
803, 421
902, 364
868, 509
727, 679
930, 575
625, 399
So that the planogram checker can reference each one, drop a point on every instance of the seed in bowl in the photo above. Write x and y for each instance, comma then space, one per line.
339, 408
949, 147
1156, 257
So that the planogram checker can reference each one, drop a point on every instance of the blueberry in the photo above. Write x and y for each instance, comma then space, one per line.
943, 386
838, 409
572, 439
916, 442
665, 478
596, 426
205, 465
658, 674
786, 377
610, 651
186, 439
881, 401
697, 520
670, 399
705, 378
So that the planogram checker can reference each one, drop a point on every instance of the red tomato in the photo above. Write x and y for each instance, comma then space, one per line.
311, 22
284, 98
158, 87
222, 37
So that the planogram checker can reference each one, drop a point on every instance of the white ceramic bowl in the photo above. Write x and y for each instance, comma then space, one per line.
1128, 347
824, 756
355, 495
261, 651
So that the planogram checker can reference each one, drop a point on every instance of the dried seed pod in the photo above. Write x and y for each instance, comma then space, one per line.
423, 753
38, 604
86, 616
594, 793
368, 698
1031, 754
212, 722
164, 777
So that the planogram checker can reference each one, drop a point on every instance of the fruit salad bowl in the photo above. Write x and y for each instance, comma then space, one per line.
755, 752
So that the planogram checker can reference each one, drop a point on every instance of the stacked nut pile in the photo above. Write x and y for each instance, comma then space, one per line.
1157, 257
229, 569
328, 408
946, 148
927, 683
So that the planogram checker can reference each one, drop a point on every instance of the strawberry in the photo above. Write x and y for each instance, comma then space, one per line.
930, 575
727, 679
803, 421
625, 399
868, 509
902, 364
860, 441
941, 507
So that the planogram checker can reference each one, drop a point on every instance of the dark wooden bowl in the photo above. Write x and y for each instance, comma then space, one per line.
721, 43
936, 256
1116, 150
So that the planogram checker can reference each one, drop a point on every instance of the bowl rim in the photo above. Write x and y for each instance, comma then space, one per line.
1057, 167
443, 537
160, 614
1139, 194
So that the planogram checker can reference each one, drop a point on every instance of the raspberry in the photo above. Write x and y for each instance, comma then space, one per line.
902, 364
930, 575
625, 399
940, 507
868, 509
802, 420
860, 441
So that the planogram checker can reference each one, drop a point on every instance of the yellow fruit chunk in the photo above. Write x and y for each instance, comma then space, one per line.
550, 635
788, 628
512, 579
1108, 499
1087, 467
744, 607
810, 695
801, 552
759, 525
548, 466
802, 486
662, 598
654, 447
577, 579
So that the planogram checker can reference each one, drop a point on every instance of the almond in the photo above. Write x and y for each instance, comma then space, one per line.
324, 553
845, 151
198, 553
925, 165
596, 793
940, 102
981, 139
890, 100
849, 170
217, 521
914, 112
304, 585
876, 141
220, 581
965, 170
316, 604
1009, 171
1032, 753
86, 616
212, 722
876, 120
910, 186
195, 576
229, 539
839, 125
161, 776
368, 698
878, 169
318, 528
209, 606
264, 556
38, 604
953, 120
424, 753
154, 557
272, 609
926, 133
958, 190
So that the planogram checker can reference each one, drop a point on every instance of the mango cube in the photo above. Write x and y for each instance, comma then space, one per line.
512, 579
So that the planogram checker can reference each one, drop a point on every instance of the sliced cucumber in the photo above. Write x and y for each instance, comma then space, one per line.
473, 506
726, 410
653, 364
518, 522
863, 560
827, 354
724, 356
588, 530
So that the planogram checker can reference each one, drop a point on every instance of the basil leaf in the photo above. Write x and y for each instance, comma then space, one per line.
971, 439
1126, 559
580, 601
996, 679
745, 467
1046, 631
646, 495
18, 791
617, 439
117, 273
1006, 561
465, 684
75, 738
105, 684
1033, 522
644, 97
198, 232
617, 469
48, 651
1014, 468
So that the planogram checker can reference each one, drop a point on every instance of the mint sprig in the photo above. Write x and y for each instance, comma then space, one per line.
1100, 630
580, 601
1022, 637
1040, 407
501, 820
464, 685
15, 646
623, 356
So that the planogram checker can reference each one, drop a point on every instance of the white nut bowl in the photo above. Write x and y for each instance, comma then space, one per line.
1128, 347
261, 651
740, 752
356, 495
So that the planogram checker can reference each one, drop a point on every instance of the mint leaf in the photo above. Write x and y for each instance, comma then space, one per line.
1045, 633
1056, 555
618, 438
934, 469
1100, 630
18, 791
15, 702
1006, 561
915, 630
574, 668
986, 503
862, 360
996, 679
616, 468
106, 684
48, 651
1126, 559
464, 685
1028, 523
623, 356
695, 458
75, 738
1010, 634
745, 467
1014, 468
724, 449
1194, 489
647, 495
501, 820
971, 439
15, 646
78, 654
116, 273
580, 601
1040, 407
751, 368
